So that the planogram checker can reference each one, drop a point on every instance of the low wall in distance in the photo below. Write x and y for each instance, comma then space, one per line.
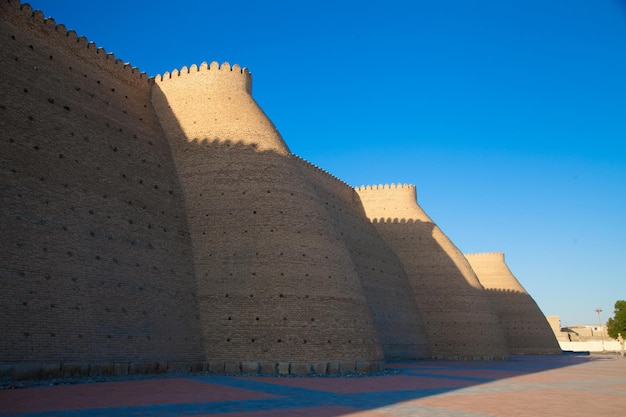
591, 346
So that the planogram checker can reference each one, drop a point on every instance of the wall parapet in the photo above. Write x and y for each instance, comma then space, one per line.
320, 170
395, 220
485, 254
17, 11
213, 66
241, 75
391, 186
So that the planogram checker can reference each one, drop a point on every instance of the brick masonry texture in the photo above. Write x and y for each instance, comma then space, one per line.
96, 256
459, 319
525, 327
275, 278
162, 224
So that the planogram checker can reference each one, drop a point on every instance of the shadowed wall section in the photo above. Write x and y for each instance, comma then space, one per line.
96, 263
276, 283
526, 329
398, 324
458, 318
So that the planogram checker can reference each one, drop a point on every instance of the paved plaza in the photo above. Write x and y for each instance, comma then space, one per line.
525, 386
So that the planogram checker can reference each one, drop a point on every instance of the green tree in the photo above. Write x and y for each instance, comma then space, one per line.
617, 324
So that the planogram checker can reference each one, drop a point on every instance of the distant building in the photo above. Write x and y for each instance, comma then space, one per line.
592, 337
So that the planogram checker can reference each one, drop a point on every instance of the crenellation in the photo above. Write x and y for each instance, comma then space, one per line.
60, 31
228, 77
72, 36
496, 254
38, 16
392, 186
320, 170
50, 22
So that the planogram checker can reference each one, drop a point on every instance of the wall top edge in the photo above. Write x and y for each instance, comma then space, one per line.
385, 187
225, 67
499, 254
18, 11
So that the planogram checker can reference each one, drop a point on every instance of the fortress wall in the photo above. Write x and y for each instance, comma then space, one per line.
398, 324
228, 114
526, 329
276, 282
157, 224
458, 317
96, 263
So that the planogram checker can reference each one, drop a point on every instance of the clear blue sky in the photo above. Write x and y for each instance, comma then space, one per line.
509, 117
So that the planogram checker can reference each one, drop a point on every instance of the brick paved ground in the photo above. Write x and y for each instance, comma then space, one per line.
526, 386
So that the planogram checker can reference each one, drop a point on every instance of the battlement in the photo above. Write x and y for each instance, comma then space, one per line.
391, 201
407, 187
395, 220
486, 254
493, 272
235, 75
23, 14
320, 170
213, 101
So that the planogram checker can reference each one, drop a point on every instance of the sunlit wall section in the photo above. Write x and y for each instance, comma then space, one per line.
277, 287
458, 317
526, 329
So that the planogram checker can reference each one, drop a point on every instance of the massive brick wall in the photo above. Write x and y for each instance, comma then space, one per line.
458, 317
526, 329
275, 279
96, 264
398, 324
163, 223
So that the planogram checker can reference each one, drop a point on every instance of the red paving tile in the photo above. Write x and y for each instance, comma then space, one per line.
362, 385
617, 387
301, 412
119, 394
573, 388
552, 377
532, 403
474, 373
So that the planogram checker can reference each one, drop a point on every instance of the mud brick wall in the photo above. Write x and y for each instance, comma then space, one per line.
394, 310
162, 224
526, 329
96, 260
275, 279
458, 317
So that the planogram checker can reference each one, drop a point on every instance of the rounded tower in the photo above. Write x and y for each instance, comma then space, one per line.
458, 318
277, 288
526, 329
